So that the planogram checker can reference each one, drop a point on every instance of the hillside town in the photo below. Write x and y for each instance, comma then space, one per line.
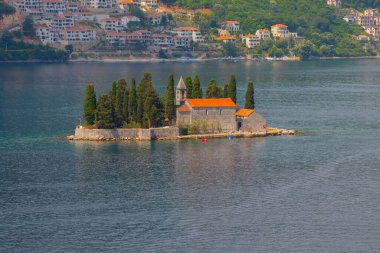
149, 27
369, 20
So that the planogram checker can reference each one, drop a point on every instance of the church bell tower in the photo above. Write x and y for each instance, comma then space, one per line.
180, 96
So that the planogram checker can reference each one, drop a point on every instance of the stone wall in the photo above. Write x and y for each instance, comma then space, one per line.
125, 134
183, 118
254, 123
225, 116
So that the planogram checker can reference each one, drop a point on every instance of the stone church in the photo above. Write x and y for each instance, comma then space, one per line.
221, 114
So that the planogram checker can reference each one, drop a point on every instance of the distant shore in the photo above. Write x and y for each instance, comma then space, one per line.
185, 60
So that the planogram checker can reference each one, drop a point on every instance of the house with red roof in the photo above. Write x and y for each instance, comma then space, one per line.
216, 114
231, 26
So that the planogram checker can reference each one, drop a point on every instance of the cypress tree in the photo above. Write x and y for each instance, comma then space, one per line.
213, 91
189, 87
250, 96
125, 105
232, 88
149, 107
169, 99
225, 91
105, 113
119, 99
89, 105
132, 101
197, 90
144, 85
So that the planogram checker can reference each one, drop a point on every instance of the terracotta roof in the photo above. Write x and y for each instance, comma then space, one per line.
79, 28
186, 28
211, 102
280, 25
52, 1
109, 19
232, 22
125, 2
183, 108
157, 35
263, 30
225, 37
244, 112
128, 16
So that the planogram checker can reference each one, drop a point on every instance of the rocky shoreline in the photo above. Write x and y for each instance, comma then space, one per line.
109, 135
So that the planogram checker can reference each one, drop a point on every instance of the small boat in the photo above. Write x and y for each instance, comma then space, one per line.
204, 140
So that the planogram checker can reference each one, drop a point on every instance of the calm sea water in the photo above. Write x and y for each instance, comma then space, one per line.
317, 192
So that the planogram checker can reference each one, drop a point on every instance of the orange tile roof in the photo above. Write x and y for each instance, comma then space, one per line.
244, 112
125, 2
232, 22
225, 37
183, 108
186, 28
251, 36
263, 30
280, 25
211, 102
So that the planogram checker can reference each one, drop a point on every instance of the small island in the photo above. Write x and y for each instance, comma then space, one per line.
139, 113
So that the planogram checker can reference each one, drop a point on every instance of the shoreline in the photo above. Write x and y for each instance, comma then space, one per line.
96, 137
187, 60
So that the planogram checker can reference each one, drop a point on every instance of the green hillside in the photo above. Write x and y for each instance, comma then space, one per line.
360, 5
326, 31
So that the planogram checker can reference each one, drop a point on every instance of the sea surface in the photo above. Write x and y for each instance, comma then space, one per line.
316, 192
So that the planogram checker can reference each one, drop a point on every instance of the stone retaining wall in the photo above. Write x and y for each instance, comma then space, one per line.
125, 134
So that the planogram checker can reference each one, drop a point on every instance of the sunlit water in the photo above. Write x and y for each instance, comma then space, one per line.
317, 192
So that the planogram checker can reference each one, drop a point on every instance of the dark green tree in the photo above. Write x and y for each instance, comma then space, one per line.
231, 90
105, 113
27, 27
119, 100
142, 89
189, 87
213, 91
132, 102
197, 90
89, 105
169, 99
250, 97
125, 105
225, 91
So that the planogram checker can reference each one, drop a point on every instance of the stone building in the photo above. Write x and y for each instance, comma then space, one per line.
216, 114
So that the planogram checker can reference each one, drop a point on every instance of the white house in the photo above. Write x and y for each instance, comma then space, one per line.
182, 41
111, 24
127, 19
65, 20
232, 26
79, 34
152, 4
263, 34
190, 32
251, 40
156, 18
45, 34
53, 6
72, 6
162, 40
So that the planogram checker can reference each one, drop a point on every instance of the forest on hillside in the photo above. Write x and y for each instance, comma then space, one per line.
361, 4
